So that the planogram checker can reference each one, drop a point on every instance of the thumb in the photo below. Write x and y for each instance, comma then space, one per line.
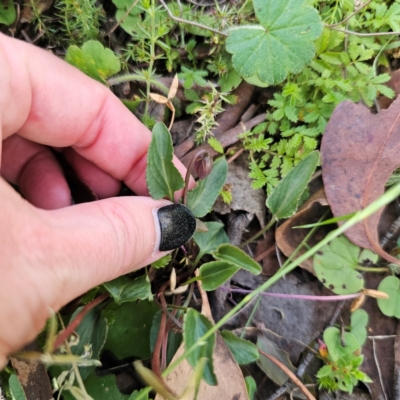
99, 241
48, 258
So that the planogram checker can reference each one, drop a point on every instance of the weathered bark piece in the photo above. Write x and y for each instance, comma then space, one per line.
33, 377
359, 152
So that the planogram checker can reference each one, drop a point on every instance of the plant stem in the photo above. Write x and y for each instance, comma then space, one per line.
259, 233
350, 16
372, 269
363, 34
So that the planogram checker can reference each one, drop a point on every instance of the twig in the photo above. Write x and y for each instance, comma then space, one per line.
378, 368
184, 21
236, 155
362, 34
290, 374
350, 16
122, 19
63, 335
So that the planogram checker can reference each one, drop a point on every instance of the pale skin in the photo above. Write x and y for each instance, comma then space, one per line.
52, 252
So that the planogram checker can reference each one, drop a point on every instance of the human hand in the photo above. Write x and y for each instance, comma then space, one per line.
51, 253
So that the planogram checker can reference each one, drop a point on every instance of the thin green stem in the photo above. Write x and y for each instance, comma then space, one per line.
259, 233
372, 269
251, 316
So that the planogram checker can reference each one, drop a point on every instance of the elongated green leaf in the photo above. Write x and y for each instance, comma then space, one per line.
7, 12
16, 388
283, 42
123, 289
163, 179
235, 256
251, 386
215, 273
194, 327
285, 197
210, 240
203, 196
335, 266
390, 306
243, 351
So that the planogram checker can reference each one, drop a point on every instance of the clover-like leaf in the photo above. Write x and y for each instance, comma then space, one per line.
163, 179
94, 60
390, 306
281, 44
335, 264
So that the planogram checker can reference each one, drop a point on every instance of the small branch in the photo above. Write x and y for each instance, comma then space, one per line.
63, 335
184, 21
363, 34
290, 374
122, 19
350, 16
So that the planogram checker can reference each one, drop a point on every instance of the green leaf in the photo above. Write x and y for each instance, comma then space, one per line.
284, 199
94, 60
213, 274
326, 370
135, 395
243, 351
251, 386
216, 145
335, 264
233, 255
282, 44
333, 340
391, 306
163, 179
131, 320
210, 240
270, 368
201, 199
194, 327
162, 262
7, 12
123, 289
359, 322
16, 388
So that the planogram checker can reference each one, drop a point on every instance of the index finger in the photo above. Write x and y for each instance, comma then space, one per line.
48, 101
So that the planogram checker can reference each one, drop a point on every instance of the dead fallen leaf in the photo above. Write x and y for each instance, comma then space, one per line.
310, 212
27, 14
231, 384
359, 152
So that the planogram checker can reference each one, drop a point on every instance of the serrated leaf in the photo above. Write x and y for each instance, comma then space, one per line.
233, 255
213, 274
94, 60
284, 199
163, 179
123, 289
281, 44
242, 350
391, 306
7, 12
216, 145
162, 262
201, 199
210, 240
194, 327
335, 264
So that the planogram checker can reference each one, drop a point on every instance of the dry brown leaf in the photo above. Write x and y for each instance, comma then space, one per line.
27, 14
174, 87
359, 152
158, 98
231, 384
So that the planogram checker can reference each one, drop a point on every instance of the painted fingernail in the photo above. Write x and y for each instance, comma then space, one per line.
177, 226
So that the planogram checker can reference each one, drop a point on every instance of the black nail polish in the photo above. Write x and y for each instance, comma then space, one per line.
177, 225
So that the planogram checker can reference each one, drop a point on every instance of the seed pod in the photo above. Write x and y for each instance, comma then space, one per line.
203, 166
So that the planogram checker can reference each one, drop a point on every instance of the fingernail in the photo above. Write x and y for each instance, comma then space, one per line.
177, 226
